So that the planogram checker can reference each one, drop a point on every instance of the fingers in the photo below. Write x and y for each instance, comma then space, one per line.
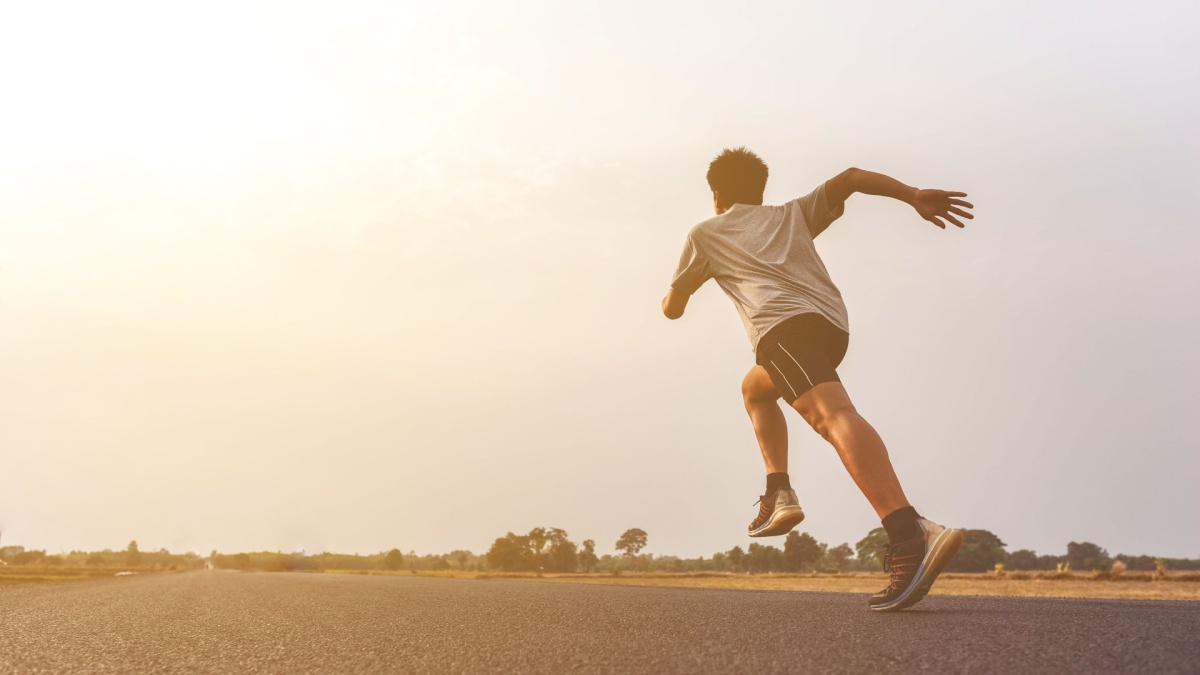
953, 220
935, 221
959, 202
960, 212
956, 194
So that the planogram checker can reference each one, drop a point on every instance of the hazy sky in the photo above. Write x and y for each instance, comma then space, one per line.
290, 277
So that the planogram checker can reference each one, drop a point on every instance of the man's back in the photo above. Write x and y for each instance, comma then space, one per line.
764, 259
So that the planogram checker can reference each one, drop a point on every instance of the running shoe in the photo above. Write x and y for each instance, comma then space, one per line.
915, 564
778, 513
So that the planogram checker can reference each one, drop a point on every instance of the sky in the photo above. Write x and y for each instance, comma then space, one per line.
291, 276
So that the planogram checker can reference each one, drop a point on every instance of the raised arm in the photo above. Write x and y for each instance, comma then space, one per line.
932, 205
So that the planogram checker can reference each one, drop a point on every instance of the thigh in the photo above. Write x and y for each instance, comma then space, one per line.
823, 402
796, 365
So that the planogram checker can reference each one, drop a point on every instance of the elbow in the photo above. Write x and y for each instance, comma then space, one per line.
669, 311
840, 187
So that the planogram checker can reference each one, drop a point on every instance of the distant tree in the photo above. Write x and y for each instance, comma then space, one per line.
133, 557
735, 555
1178, 564
9, 552
587, 557
980, 552
1025, 560
1087, 556
1022, 560
562, 555
236, 561
801, 551
393, 560
27, 557
536, 540
839, 556
761, 558
94, 560
509, 553
632, 542
870, 548
1049, 562
463, 557
1137, 563
791, 547
298, 562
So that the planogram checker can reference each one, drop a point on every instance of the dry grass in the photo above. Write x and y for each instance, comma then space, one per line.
17, 575
1177, 586
440, 574
1130, 585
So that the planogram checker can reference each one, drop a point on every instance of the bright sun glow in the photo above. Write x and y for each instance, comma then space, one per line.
306, 260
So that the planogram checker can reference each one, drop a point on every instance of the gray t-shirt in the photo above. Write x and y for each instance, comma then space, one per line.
764, 259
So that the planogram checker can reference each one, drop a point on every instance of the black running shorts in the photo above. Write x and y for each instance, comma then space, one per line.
802, 352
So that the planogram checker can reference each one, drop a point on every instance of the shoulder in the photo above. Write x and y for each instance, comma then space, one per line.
813, 199
704, 229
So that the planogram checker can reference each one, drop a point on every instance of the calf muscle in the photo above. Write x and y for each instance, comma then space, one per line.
828, 410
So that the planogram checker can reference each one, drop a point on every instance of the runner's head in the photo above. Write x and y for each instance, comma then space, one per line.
737, 176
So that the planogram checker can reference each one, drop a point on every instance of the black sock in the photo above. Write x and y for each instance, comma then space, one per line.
901, 524
778, 481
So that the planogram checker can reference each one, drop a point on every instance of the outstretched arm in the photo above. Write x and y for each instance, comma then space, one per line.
932, 205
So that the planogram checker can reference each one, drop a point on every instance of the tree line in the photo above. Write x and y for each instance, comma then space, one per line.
130, 557
549, 549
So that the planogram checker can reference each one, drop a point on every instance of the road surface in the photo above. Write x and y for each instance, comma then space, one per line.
292, 623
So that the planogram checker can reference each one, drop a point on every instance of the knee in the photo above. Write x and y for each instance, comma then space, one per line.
758, 389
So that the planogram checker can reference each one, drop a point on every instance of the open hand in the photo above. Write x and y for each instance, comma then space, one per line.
934, 205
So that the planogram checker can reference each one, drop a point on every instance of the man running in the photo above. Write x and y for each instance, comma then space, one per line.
764, 259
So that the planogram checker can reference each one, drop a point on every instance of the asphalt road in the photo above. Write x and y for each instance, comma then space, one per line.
290, 623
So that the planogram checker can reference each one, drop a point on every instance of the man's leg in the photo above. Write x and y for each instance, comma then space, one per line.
779, 510
920, 549
827, 408
770, 426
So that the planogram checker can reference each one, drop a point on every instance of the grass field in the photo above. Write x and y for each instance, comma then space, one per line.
947, 584
1130, 586
16, 575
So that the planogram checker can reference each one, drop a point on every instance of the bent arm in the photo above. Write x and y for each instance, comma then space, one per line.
674, 304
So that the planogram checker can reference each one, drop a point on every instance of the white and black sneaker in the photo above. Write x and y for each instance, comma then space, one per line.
778, 513
915, 564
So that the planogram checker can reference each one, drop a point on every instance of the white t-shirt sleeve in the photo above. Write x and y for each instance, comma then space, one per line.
815, 209
693, 268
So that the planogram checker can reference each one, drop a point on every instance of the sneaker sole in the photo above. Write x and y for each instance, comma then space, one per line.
781, 522
943, 549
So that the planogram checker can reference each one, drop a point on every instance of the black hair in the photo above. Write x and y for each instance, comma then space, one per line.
739, 175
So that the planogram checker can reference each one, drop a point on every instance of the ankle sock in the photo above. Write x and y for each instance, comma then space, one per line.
901, 524
778, 481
